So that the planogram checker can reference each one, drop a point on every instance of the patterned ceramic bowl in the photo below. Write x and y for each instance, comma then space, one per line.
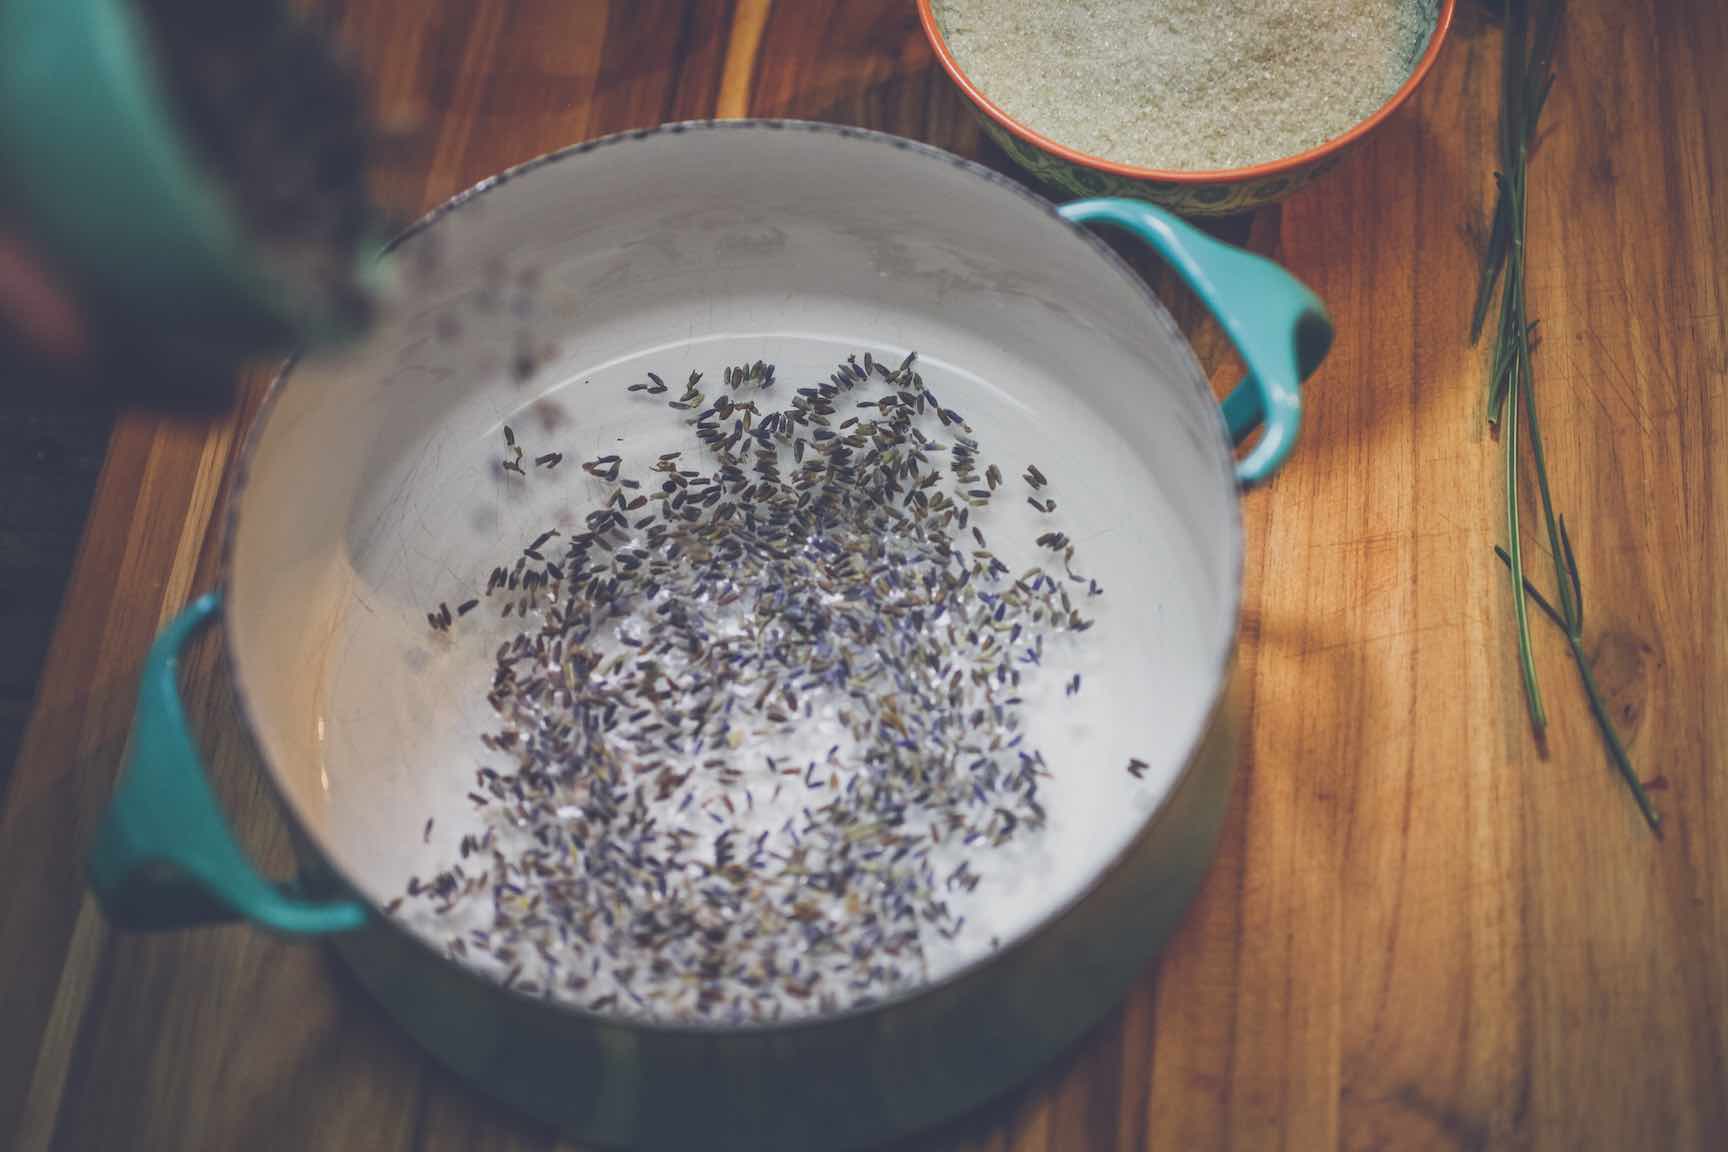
1213, 193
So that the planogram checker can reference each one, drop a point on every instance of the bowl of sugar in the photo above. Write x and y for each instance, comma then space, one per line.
1208, 107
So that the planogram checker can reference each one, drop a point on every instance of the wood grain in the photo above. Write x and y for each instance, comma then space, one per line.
1420, 932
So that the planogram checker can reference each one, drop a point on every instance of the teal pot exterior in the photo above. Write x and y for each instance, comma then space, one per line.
309, 491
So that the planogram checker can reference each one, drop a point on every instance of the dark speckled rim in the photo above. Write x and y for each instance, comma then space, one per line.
1219, 670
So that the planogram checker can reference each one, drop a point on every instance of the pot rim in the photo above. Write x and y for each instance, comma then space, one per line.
1253, 172
1209, 718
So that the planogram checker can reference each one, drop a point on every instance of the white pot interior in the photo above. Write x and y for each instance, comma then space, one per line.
374, 492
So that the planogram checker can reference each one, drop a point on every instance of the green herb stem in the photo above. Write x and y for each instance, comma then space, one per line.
1526, 656
1527, 78
1562, 580
1598, 708
1616, 750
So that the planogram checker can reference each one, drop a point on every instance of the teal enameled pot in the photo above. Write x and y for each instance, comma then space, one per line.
370, 484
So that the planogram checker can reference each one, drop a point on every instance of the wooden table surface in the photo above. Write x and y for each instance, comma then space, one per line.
1419, 933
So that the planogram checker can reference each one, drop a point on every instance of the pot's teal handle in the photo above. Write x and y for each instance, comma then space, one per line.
1280, 328
165, 856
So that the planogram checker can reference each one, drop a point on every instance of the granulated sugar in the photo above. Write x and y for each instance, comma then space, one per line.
1187, 84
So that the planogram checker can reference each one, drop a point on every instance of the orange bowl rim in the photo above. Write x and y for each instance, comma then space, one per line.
1286, 164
